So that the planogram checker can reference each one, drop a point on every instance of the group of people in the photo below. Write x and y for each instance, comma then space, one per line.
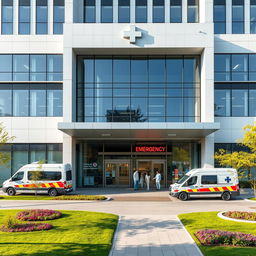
139, 179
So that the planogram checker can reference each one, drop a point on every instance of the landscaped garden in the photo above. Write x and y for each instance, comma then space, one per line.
71, 233
46, 197
216, 236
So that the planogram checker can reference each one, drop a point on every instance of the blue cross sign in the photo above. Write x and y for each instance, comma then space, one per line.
227, 179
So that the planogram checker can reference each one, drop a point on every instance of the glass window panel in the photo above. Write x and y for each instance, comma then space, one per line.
89, 107
7, 28
252, 62
103, 70
222, 104
103, 92
102, 105
5, 103
252, 103
123, 11
174, 107
156, 70
193, 11
59, 11
24, 28
122, 104
239, 102
239, 67
143, 92
121, 70
37, 103
54, 67
253, 27
54, 153
154, 119
174, 69
174, 92
253, 16
54, 102
106, 11
220, 28
20, 156
190, 73
7, 17
121, 93
237, 16
176, 11
24, 11
88, 70
5, 63
160, 92
139, 109
41, 11
37, 152
156, 107
219, 10
189, 106
89, 11
139, 70
38, 63
141, 11
41, 28
21, 63
238, 28
158, 11
20, 102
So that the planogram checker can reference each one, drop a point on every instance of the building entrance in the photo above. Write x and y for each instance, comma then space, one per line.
152, 166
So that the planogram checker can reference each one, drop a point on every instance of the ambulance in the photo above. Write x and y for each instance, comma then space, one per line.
207, 182
53, 179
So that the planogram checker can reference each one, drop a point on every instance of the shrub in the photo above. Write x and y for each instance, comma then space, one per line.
35, 215
241, 215
79, 197
218, 237
10, 222
244, 184
26, 227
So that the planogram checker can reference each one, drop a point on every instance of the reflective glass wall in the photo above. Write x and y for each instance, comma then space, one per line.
138, 89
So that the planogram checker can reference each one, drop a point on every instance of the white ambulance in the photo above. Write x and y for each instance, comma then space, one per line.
53, 179
214, 182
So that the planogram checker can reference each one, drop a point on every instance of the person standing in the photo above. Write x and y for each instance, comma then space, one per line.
158, 180
136, 180
147, 179
142, 180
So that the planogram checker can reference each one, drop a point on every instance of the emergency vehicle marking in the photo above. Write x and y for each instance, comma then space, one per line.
213, 189
42, 185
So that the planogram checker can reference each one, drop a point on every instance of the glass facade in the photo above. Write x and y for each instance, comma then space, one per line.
22, 154
193, 11
7, 17
58, 16
238, 16
41, 17
219, 16
24, 17
253, 17
141, 11
33, 67
138, 89
106, 11
123, 11
89, 11
158, 11
175, 11
95, 158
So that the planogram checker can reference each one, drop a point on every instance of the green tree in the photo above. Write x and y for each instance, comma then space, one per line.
36, 177
5, 157
242, 161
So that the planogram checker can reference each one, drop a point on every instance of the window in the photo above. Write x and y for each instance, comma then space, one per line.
69, 175
5, 101
24, 17
209, 179
123, 11
239, 102
89, 11
238, 16
239, 67
5, 67
222, 64
193, 11
192, 181
41, 17
219, 16
38, 67
46, 175
7, 17
222, 103
54, 68
141, 15
18, 176
106, 11
58, 16
20, 100
38, 101
175, 11
158, 11
54, 102
253, 16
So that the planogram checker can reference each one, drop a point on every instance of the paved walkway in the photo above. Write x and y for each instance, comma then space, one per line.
151, 235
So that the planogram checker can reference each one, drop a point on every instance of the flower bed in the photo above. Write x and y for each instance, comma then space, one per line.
35, 215
218, 237
241, 215
26, 227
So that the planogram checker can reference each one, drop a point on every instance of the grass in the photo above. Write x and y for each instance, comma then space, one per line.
253, 198
76, 233
46, 197
209, 220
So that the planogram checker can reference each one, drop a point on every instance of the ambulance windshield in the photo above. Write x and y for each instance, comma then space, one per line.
184, 178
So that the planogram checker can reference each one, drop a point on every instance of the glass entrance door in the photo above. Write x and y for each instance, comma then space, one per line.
152, 166
117, 173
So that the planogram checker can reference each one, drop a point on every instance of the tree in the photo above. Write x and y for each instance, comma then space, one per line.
5, 157
242, 161
36, 177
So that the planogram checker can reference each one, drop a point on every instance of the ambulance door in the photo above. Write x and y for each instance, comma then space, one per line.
18, 181
191, 184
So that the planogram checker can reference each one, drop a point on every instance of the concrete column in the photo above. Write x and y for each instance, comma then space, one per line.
247, 23
15, 17
207, 152
150, 11
33, 18
115, 11
132, 11
228, 16
50, 17
206, 11
98, 11
184, 11
167, 11
69, 11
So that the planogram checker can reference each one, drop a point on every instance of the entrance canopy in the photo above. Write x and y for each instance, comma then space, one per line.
135, 131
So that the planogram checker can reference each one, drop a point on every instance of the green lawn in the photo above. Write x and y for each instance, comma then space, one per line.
209, 220
46, 197
253, 198
77, 233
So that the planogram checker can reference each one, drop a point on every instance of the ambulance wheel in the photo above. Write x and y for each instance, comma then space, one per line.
226, 196
183, 196
11, 192
53, 192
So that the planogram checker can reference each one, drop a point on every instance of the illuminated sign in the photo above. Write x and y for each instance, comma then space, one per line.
150, 149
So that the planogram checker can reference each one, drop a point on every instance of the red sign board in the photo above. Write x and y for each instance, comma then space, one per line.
150, 149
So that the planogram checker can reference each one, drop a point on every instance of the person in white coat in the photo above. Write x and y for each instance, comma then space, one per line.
147, 179
158, 180
136, 180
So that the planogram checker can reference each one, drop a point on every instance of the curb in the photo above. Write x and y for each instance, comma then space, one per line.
115, 236
109, 199
194, 243
248, 200
220, 215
